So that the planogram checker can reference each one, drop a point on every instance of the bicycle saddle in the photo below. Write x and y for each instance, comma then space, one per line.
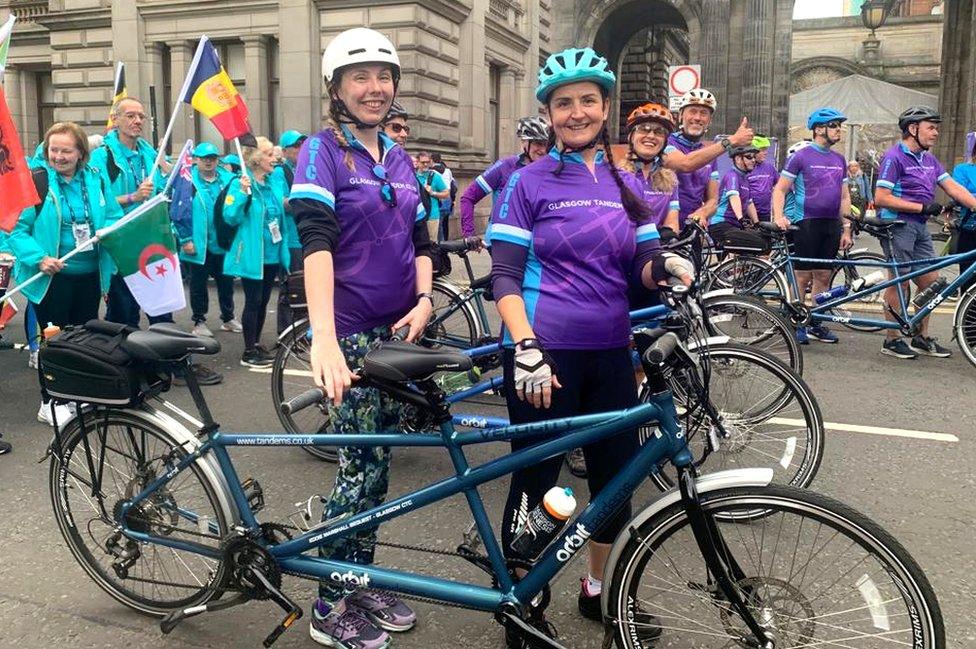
876, 222
399, 361
166, 342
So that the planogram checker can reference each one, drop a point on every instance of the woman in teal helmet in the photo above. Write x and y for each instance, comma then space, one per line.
572, 235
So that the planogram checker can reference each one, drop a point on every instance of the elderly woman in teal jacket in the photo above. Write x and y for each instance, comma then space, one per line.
74, 207
255, 203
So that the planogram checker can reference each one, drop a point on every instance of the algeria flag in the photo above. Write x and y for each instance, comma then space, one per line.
144, 249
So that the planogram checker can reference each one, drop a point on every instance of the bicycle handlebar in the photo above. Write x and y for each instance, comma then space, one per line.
460, 246
401, 334
302, 401
662, 349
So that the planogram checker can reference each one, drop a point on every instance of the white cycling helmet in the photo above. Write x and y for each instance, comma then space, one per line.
698, 97
359, 45
796, 146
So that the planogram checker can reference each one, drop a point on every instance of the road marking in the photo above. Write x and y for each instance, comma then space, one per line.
267, 370
874, 430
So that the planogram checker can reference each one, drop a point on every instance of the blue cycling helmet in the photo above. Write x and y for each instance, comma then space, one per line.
824, 115
572, 65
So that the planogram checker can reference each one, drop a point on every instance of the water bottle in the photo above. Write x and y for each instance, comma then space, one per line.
926, 296
868, 280
544, 522
831, 294
870, 212
453, 381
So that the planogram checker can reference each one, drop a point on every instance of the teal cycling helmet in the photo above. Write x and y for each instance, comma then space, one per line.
572, 65
824, 115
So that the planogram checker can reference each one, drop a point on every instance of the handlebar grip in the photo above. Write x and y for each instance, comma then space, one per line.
662, 348
401, 334
472, 243
302, 401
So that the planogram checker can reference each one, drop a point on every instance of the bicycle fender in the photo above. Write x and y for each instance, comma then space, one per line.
693, 345
207, 464
718, 292
757, 477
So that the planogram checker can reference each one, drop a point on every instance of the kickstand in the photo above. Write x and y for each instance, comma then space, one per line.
169, 622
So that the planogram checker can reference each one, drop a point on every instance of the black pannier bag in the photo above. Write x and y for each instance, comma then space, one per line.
295, 290
87, 363
746, 242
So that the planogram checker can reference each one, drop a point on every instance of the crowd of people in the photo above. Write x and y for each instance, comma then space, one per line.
574, 235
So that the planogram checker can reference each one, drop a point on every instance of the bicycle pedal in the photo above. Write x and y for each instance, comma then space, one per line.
531, 636
254, 493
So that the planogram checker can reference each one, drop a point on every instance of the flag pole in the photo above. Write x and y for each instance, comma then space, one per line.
240, 154
179, 104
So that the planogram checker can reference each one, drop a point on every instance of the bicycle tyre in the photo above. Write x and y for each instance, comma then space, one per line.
750, 321
782, 429
292, 360
748, 275
167, 513
964, 325
844, 275
660, 571
453, 322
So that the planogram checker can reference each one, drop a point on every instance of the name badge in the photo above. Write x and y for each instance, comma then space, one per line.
275, 231
82, 234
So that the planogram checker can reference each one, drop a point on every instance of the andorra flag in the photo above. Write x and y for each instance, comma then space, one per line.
209, 89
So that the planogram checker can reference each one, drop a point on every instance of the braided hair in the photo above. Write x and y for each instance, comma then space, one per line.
333, 124
635, 207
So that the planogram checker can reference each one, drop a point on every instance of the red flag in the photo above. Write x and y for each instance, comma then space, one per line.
16, 184
7, 311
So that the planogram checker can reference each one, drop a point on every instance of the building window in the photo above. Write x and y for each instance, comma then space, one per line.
274, 119
45, 102
494, 90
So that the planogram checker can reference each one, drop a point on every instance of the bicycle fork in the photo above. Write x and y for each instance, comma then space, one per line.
718, 558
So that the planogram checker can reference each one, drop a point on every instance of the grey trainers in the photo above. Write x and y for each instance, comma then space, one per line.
929, 347
345, 628
202, 330
233, 326
384, 610
898, 348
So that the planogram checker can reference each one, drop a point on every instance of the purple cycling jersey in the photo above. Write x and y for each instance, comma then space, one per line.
818, 174
490, 182
565, 243
761, 182
692, 186
734, 183
660, 202
910, 176
374, 257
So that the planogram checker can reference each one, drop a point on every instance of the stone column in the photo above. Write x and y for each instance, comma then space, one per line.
12, 81
180, 56
958, 80
507, 112
299, 66
127, 45
473, 81
154, 77
757, 64
781, 85
256, 88
714, 54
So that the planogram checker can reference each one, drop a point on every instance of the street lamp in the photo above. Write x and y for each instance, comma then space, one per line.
874, 13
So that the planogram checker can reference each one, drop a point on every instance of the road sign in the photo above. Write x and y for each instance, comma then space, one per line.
674, 102
682, 78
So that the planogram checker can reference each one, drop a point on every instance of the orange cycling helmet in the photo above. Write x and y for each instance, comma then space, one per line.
651, 112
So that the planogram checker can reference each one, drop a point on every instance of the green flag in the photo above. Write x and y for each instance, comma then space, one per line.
144, 249
5, 30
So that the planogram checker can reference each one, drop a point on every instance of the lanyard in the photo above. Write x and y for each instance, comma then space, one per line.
84, 198
269, 215
141, 176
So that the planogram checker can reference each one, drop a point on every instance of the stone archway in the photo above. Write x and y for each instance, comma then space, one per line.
818, 70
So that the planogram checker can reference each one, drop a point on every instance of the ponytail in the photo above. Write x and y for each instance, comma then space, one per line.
637, 210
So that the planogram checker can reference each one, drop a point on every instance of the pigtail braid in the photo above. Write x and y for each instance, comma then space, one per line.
636, 209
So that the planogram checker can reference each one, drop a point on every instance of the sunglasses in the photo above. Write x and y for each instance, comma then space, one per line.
749, 156
833, 124
387, 193
651, 129
399, 128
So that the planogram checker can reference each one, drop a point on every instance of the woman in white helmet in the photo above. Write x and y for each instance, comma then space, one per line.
362, 223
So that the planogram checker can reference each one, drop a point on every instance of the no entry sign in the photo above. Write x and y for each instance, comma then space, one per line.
682, 78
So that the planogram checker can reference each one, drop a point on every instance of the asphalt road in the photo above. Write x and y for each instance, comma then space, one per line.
921, 490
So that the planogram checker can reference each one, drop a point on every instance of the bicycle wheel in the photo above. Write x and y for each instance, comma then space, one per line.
129, 453
772, 418
751, 276
815, 573
452, 322
291, 375
964, 325
749, 321
872, 304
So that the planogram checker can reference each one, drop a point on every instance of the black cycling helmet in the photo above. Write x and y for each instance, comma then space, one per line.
917, 114
741, 150
396, 110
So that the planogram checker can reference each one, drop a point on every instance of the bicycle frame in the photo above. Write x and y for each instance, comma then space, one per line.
577, 431
821, 312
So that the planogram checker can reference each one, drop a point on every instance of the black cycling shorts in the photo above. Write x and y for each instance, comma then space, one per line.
818, 239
